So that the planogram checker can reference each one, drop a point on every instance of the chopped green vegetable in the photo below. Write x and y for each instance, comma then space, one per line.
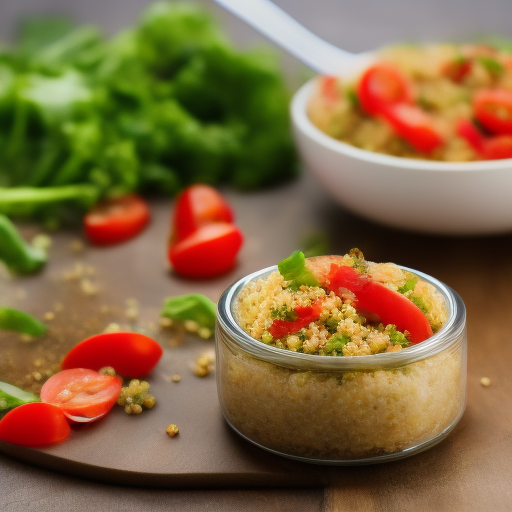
18, 321
164, 104
11, 396
419, 302
493, 66
294, 270
396, 337
408, 286
195, 307
336, 343
19, 256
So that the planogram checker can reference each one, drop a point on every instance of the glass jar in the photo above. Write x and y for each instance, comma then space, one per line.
342, 410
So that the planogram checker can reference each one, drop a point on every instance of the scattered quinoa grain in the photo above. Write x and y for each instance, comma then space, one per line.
485, 381
164, 322
176, 377
172, 430
136, 396
49, 316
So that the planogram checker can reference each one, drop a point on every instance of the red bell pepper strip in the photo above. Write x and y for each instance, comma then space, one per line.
390, 306
305, 315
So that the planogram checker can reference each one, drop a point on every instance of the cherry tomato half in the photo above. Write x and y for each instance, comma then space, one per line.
474, 137
208, 252
493, 109
390, 306
81, 394
198, 205
116, 220
34, 424
497, 147
414, 125
382, 85
130, 354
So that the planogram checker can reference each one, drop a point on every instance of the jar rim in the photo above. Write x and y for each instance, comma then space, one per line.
449, 333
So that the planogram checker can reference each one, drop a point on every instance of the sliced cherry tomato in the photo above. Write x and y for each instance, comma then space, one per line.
383, 85
131, 354
493, 109
196, 206
208, 252
329, 89
475, 138
81, 394
414, 125
390, 306
305, 315
457, 69
34, 424
497, 147
116, 220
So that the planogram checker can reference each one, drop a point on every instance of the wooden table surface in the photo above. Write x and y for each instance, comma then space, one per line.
472, 469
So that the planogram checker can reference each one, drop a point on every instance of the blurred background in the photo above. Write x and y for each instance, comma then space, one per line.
355, 25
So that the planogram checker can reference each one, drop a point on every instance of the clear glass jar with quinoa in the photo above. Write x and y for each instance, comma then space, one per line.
339, 360
446, 102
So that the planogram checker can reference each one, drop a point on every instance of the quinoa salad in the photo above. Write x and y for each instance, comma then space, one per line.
346, 413
445, 102
270, 309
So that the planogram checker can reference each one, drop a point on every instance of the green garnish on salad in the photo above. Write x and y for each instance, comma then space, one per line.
294, 270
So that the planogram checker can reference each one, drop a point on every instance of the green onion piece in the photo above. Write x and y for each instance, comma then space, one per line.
19, 256
336, 344
294, 270
493, 66
11, 396
195, 307
18, 321
408, 286
396, 337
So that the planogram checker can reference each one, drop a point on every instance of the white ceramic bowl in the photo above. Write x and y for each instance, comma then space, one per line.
463, 198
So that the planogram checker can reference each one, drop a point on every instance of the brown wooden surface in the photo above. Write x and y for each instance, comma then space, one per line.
471, 470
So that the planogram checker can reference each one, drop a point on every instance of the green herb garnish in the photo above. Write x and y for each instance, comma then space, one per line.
493, 66
195, 307
11, 396
396, 337
294, 270
336, 344
19, 321
408, 286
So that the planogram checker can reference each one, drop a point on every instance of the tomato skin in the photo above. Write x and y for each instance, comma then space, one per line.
130, 354
328, 89
493, 109
497, 147
305, 315
197, 205
116, 220
391, 307
414, 125
382, 85
467, 130
82, 394
209, 251
457, 69
34, 424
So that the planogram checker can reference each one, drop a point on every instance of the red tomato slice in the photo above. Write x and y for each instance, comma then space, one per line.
467, 130
305, 315
34, 424
81, 394
198, 205
457, 69
493, 109
390, 306
414, 125
497, 147
328, 89
131, 354
383, 85
208, 252
116, 220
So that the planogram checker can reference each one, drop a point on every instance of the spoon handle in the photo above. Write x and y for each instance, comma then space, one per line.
277, 25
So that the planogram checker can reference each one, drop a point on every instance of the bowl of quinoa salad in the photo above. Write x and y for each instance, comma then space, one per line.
309, 365
420, 138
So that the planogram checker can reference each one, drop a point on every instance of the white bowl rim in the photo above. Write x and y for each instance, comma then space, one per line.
303, 123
